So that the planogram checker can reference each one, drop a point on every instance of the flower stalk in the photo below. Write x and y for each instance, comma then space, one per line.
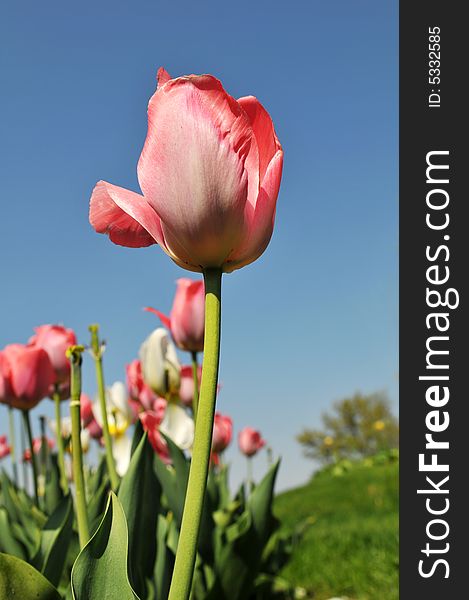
74, 353
60, 442
11, 422
195, 375
188, 539
44, 452
29, 433
97, 351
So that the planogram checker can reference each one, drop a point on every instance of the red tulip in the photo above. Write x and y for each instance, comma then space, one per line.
210, 173
151, 424
187, 319
55, 340
29, 375
222, 433
250, 441
4, 447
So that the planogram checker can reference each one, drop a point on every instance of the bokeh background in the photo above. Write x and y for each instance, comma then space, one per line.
314, 319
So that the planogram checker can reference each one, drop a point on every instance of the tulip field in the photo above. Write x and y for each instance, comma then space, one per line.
126, 494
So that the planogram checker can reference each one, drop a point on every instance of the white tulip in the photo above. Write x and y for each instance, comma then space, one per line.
119, 412
178, 426
160, 364
121, 448
65, 427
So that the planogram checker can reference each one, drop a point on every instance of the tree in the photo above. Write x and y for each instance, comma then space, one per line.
357, 427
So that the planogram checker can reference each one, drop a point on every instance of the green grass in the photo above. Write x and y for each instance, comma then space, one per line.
351, 549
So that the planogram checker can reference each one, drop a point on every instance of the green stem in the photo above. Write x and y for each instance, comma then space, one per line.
250, 480
195, 375
27, 426
60, 442
11, 420
44, 448
23, 462
188, 539
74, 354
98, 360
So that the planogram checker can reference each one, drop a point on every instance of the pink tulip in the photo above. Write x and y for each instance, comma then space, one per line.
210, 173
250, 441
86, 409
4, 447
151, 424
29, 375
6, 393
139, 391
55, 340
88, 418
187, 319
222, 433
186, 390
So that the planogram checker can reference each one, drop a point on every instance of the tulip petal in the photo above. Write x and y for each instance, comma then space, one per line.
178, 426
121, 450
264, 132
125, 216
163, 318
191, 169
162, 76
260, 228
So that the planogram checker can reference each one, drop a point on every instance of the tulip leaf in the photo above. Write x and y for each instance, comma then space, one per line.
260, 503
139, 494
25, 522
137, 436
27, 506
55, 540
239, 546
100, 571
20, 580
95, 480
53, 493
174, 478
164, 557
97, 504
8, 541
7, 500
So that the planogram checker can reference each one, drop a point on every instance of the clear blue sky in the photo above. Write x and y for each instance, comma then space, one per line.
311, 321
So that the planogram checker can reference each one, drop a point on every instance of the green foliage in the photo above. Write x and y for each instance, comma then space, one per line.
357, 427
139, 494
100, 571
53, 492
56, 536
20, 580
352, 548
132, 551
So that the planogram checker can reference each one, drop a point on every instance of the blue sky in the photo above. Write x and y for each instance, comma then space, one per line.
315, 318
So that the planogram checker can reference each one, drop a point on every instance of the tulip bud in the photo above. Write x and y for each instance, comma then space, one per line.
222, 433
250, 441
55, 340
160, 364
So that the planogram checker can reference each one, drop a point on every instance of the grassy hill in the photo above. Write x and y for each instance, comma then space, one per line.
351, 550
